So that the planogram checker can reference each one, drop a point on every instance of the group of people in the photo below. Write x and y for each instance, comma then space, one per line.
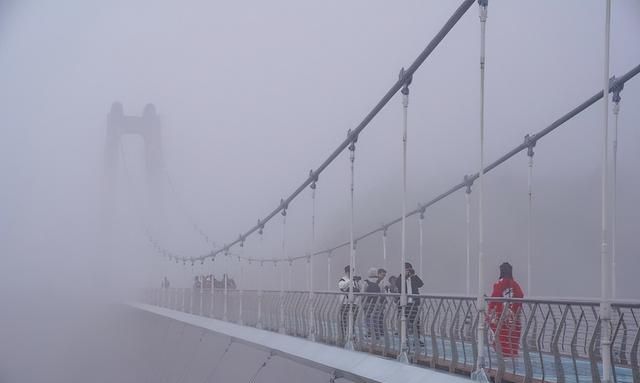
206, 281
503, 317
374, 305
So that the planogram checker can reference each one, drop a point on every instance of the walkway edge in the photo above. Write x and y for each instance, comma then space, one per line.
352, 365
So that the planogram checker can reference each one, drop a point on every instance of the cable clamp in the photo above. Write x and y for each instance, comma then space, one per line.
261, 227
314, 178
354, 139
407, 81
468, 182
616, 87
483, 10
530, 141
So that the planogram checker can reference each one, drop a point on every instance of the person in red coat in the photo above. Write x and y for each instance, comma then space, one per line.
510, 326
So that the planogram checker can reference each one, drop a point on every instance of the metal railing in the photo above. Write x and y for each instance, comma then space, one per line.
527, 340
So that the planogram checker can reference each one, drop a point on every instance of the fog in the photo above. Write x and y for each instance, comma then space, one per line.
251, 96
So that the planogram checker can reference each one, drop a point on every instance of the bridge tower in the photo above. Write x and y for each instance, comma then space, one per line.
148, 127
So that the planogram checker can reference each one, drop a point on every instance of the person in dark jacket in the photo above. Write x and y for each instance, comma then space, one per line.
371, 303
413, 302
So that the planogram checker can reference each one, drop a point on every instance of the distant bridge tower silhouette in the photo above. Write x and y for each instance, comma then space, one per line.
148, 127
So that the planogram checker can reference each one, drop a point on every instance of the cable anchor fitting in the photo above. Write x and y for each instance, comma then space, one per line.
616, 87
406, 82
284, 207
314, 178
483, 10
260, 227
468, 182
354, 139
530, 141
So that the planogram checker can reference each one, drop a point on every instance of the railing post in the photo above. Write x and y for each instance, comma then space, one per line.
259, 324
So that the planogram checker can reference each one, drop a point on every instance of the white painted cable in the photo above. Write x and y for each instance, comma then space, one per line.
404, 349
605, 305
481, 301
467, 197
352, 254
421, 244
310, 264
614, 193
384, 249
530, 224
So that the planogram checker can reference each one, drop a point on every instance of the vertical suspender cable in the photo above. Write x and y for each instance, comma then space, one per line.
213, 292
352, 247
312, 330
605, 304
421, 243
240, 285
202, 290
329, 271
481, 301
384, 248
225, 277
192, 289
403, 355
290, 276
467, 198
529, 211
614, 185
281, 328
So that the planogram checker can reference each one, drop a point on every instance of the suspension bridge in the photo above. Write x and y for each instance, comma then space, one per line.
400, 336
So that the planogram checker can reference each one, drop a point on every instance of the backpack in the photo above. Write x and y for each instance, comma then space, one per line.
371, 287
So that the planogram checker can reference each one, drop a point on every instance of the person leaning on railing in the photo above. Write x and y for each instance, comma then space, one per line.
344, 284
372, 304
413, 302
506, 315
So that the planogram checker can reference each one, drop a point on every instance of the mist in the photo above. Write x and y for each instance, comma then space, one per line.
251, 96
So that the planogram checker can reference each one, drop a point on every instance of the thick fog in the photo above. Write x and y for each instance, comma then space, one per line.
251, 96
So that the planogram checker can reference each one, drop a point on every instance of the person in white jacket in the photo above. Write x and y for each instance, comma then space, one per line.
344, 284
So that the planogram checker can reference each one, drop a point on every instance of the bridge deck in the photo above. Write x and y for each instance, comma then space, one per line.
352, 365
